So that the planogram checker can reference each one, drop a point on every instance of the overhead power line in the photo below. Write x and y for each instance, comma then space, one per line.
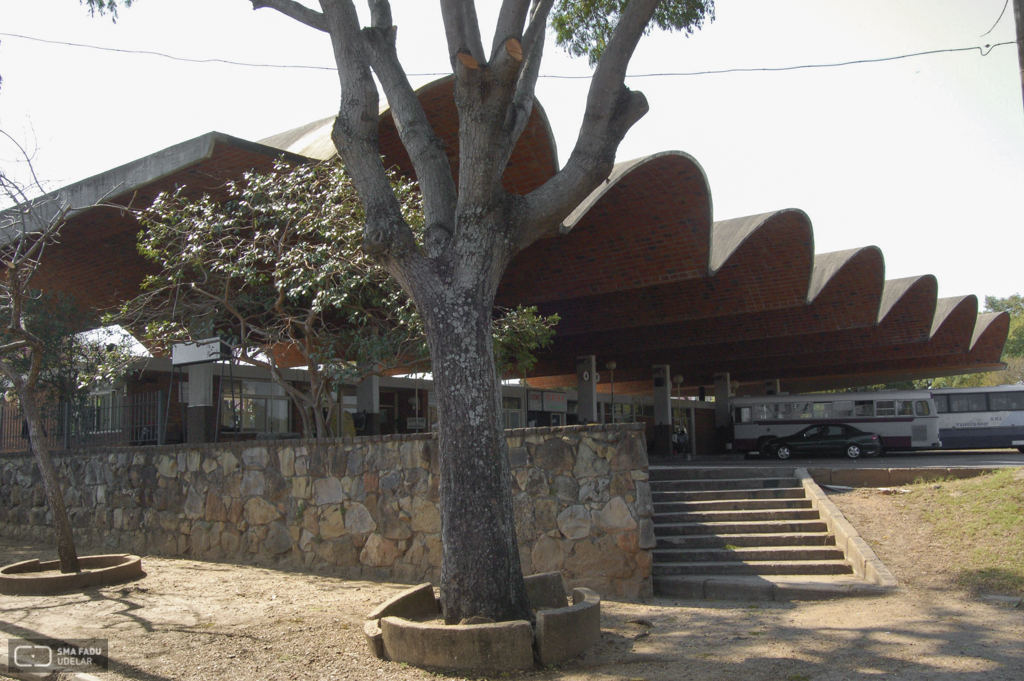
983, 50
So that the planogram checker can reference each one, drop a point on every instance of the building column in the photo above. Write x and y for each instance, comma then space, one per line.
201, 425
722, 390
368, 402
662, 410
586, 389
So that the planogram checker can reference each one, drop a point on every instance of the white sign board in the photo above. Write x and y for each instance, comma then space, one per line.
199, 352
416, 423
534, 400
554, 402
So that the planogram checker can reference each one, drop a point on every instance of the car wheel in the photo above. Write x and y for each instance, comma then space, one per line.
853, 451
783, 452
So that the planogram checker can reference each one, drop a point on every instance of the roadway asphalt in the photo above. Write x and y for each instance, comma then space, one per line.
985, 458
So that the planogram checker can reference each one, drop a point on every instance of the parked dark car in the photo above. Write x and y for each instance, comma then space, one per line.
826, 439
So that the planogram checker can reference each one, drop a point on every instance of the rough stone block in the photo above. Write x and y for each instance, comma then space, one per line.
416, 602
566, 632
546, 590
497, 647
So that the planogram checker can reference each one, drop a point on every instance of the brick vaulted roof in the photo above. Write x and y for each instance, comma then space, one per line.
640, 272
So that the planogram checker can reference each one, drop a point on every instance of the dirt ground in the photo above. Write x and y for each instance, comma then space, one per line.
196, 620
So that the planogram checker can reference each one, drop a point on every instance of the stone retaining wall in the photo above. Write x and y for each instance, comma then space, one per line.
357, 507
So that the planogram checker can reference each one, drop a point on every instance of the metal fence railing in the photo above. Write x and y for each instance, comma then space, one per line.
110, 419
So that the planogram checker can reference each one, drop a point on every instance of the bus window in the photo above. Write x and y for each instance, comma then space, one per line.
782, 412
905, 407
762, 412
864, 408
1016, 401
742, 415
822, 410
843, 409
802, 410
958, 403
999, 401
922, 408
941, 404
885, 408
977, 402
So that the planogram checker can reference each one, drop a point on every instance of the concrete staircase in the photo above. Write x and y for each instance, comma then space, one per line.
741, 521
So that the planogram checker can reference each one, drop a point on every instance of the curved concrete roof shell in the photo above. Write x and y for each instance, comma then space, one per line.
640, 272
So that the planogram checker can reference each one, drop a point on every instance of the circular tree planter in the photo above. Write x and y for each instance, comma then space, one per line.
31, 577
562, 631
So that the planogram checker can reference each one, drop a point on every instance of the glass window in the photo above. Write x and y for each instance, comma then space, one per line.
511, 403
864, 408
762, 412
959, 403
905, 407
835, 431
941, 403
822, 410
843, 409
802, 410
885, 408
977, 402
922, 408
742, 415
782, 411
1016, 402
254, 406
999, 401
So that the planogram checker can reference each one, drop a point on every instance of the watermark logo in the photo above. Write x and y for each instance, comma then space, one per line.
50, 655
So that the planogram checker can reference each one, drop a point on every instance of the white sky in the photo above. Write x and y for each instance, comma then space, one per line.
922, 157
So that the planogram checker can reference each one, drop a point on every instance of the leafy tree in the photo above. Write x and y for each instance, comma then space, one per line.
277, 271
474, 228
1014, 306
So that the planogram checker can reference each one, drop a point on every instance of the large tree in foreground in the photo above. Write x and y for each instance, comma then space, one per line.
474, 228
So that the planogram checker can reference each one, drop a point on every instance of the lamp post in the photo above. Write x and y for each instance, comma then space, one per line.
610, 366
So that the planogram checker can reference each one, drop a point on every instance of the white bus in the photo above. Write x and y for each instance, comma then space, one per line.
903, 419
981, 418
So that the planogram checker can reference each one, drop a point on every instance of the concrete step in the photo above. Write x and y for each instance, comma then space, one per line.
697, 541
729, 505
747, 554
722, 484
715, 494
727, 529
712, 472
734, 516
785, 567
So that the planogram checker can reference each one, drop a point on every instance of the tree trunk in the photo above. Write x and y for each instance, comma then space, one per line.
51, 485
480, 573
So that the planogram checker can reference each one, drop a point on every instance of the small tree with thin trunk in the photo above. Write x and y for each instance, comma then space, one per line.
25, 231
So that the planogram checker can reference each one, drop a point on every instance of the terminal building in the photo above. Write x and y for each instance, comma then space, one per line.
665, 310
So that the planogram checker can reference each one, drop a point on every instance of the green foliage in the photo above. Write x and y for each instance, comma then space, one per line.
278, 272
517, 333
102, 7
584, 27
73, 363
1014, 306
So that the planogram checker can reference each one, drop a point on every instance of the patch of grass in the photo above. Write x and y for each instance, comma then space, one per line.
982, 519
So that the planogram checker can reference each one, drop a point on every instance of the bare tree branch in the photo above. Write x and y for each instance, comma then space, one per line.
462, 30
510, 24
426, 150
292, 9
612, 109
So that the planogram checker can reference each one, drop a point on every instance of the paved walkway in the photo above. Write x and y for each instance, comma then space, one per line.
986, 458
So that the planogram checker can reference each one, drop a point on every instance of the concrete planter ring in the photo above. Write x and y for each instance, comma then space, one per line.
32, 578
406, 629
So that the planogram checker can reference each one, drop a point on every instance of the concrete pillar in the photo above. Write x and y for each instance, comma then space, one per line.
586, 388
662, 410
722, 390
771, 387
201, 425
368, 401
